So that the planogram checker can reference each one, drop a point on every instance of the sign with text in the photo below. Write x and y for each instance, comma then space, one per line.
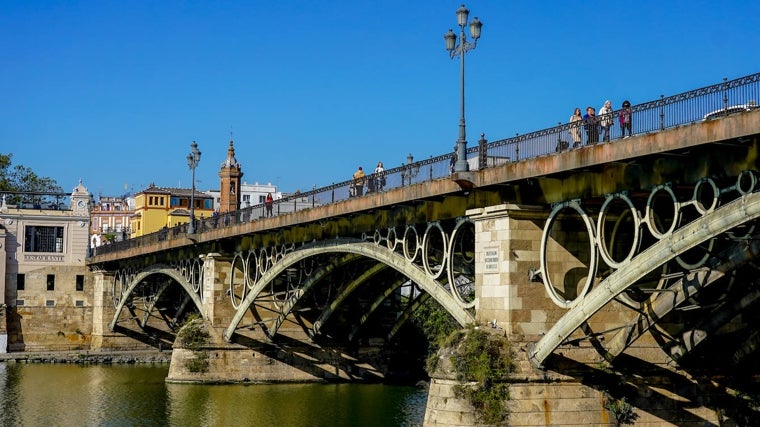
45, 258
492, 259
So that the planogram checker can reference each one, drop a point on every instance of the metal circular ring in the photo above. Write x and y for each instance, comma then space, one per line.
231, 287
426, 242
564, 303
602, 243
411, 233
252, 269
450, 270
746, 182
698, 205
650, 215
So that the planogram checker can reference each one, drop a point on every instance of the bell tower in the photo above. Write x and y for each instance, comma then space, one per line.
230, 174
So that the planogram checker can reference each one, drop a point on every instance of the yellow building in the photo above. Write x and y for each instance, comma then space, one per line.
158, 207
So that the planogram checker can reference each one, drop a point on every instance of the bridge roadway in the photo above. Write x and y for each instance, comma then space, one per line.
607, 265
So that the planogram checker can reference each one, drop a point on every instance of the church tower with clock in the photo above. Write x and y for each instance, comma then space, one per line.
229, 190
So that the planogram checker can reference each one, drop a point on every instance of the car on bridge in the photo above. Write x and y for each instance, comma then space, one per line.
751, 105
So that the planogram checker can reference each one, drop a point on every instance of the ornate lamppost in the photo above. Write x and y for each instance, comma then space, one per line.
455, 50
409, 172
192, 161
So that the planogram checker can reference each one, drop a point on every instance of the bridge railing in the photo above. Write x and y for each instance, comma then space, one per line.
666, 112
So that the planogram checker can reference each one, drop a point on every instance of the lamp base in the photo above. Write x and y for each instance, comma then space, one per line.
465, 180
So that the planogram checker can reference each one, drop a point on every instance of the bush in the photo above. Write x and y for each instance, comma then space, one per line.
199, 363
621, 410
486, 360
193, 336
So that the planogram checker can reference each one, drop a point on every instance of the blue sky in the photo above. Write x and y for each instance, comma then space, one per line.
114, 92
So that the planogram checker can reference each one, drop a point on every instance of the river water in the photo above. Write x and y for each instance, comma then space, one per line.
53, 395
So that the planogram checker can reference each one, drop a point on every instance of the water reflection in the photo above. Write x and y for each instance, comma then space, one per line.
65, 395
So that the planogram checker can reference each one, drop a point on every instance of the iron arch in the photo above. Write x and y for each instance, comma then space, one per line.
734, 213
156, 269
358, 247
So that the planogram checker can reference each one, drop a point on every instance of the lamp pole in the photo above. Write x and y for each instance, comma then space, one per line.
455, 50
192, 161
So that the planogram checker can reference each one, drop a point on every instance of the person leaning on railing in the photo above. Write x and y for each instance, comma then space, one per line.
358, 182
591, 125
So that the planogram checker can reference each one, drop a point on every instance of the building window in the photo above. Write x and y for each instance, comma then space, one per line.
80, 282
262, 198
50, 303
43, 239
246, 197
79, 303
174, 201
20, 302
51, 282
20, 282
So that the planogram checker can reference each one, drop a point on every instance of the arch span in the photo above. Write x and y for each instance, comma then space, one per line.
732, 214
358, 247
155, 269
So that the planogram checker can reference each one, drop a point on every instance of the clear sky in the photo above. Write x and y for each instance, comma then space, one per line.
114, 92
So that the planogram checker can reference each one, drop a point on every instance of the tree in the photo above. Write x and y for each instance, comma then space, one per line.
5, 164
22, 179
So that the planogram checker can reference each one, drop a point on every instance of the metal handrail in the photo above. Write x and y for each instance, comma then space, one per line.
653, 116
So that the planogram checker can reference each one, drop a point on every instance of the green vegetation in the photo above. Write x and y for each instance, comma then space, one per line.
482, 362
436, 324
199, 363
20, 178
621, 410
193, 336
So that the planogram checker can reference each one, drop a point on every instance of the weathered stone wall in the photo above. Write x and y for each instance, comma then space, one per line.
59, 319
234, 364
580, 396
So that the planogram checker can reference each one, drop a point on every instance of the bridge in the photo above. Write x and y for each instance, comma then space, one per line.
618, 270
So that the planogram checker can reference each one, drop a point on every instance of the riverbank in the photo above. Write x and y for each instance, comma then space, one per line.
103, 357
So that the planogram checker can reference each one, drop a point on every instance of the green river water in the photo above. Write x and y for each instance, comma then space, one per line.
136, 395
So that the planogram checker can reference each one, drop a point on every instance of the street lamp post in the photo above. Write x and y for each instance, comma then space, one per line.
192, 161
455, 50
410, 172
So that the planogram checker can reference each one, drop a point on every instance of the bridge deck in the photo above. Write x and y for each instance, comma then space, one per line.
736, 128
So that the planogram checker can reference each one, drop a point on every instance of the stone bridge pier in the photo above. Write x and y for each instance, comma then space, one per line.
606, 303
251, 355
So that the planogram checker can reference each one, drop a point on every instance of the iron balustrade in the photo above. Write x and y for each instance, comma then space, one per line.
653, 116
